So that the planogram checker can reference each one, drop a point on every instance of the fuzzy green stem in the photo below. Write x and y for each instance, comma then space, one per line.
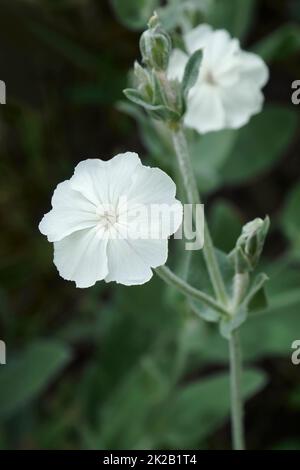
170, 278
190, 184
236, 392
240, 286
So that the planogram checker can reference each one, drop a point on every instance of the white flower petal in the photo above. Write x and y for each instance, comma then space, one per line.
197, 38
122, 169
102, 182
227, 76
90, 179
151, 210
253, 69
153, 252
130, 261
240, 103
220, 50
177, 63
71, 212
82, 257
151, 199
154, 221
151, 186
205, 111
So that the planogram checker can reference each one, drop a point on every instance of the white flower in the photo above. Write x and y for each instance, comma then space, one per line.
228, 89
97, 225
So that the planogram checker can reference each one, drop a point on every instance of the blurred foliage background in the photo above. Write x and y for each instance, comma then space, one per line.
131, 367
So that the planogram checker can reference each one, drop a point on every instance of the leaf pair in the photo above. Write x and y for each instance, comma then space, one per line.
254, 299
162, 99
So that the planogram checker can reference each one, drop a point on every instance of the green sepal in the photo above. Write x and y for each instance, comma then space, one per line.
191, 72
256, 298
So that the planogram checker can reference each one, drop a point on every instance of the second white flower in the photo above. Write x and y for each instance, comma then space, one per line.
228, 89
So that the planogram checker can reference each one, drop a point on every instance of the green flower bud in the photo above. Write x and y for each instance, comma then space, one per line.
155, 46
141, 74
250, 244
143, 82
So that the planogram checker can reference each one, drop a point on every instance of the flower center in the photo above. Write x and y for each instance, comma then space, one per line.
108, 216
209, 78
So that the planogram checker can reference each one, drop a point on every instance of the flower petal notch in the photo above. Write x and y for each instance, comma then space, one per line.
111, 221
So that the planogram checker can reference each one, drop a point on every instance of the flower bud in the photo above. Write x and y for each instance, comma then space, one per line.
142, 82
250, 244
155, 46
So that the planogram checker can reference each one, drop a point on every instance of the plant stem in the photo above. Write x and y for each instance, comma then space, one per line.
235, 392
190, 184
170, 278
240, 284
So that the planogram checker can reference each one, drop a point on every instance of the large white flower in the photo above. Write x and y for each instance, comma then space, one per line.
112, 221
228, 89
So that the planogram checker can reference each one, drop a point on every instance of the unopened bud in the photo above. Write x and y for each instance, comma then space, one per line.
250, 244
155, 46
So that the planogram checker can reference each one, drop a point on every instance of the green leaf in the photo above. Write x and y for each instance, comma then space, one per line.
156, 111
271, 332
234, 15
225, 225
281, 44
256, 298
158, 90
134, 15
135, 96
200, 408
198, 277
24, 378
206, 313
136, 396
164, 113
234, 156
191, 72
260, 144
290, 218
209, 152
142, 331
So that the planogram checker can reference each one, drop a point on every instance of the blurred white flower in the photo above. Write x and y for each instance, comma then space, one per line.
228, 89
101, 225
